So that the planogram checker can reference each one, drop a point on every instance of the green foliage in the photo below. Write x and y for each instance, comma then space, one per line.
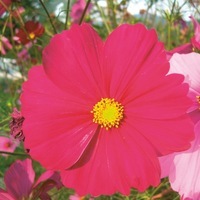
104, 19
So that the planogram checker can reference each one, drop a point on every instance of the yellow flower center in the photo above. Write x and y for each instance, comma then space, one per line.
108, 113
31, 36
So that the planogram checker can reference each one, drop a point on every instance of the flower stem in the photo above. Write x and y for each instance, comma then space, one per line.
67, 13
84, 12
14, 154
48, 16
103, 17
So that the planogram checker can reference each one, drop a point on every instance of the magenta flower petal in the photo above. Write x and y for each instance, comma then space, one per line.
130, 50
98, 104
59, 119
195, 41
49, 179
5, 196
119, 171
48, 175
183, 49
19, 179
83, 72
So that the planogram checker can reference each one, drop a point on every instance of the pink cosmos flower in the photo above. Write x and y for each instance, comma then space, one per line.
4, 45
105, 111
19, 181
7, 145
183, 168
3, 5
189, 47
77, 10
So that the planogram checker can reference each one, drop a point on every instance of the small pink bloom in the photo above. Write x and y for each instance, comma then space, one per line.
4, 45
18, 11
6, 3
7, 144
24, 54
19, 181
77, 10
95, 104
188, 47
16, 125
77, 197
183, 168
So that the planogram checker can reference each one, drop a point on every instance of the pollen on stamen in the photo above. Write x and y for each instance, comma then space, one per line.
108, 113
198, 100
31, 36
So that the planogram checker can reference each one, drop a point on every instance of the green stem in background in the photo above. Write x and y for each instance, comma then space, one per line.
169, 35
84, 12
103, 17
195, 7
67, 14
170, 21
14, 154
112, 13
48, 16
158, 188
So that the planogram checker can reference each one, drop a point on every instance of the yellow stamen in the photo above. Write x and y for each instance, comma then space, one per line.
31, 36
108, 113
198, 99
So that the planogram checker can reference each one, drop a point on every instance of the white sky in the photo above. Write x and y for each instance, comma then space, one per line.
164, 5
136, 5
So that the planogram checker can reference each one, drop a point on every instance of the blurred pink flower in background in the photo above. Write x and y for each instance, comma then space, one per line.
95, 104
77, 10
7, 145
3, 5
4, 45
189, 47
183, 168
195, 40
18, 11
24, 54
20, 185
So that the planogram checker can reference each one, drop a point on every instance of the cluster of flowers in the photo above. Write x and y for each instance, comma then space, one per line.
111, 115
30, 30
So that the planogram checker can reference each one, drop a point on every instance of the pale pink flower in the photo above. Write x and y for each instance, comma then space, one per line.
7, 145
183, 168
105, 110
4, 45
77, 197
19, 182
